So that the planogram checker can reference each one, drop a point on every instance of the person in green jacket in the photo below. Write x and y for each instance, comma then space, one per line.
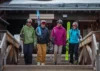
27, 33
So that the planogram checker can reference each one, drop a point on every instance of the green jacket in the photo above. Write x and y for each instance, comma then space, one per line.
28, 34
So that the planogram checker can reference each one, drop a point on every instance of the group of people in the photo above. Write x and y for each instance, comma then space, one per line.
57, 37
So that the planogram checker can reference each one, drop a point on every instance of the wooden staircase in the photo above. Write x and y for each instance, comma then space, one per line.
63, 66
85, 58
49, 60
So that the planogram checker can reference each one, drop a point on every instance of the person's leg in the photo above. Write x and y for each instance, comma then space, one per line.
71, 52
26, 53
76, 52
39, 54
59, 54
55, 53
44, 48
30, 53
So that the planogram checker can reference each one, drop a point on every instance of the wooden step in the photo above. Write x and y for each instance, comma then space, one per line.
47, 63
49, 60
48, 68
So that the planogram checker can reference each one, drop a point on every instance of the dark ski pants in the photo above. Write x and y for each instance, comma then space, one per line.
28, 49
73, 49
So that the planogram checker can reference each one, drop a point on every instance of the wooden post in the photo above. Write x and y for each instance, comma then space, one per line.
7, 53
2, 50
98, 59
0, 61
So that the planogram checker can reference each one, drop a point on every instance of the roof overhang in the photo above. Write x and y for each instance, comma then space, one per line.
53, 5
52, 1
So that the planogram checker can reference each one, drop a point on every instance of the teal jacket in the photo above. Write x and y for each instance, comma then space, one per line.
74, 36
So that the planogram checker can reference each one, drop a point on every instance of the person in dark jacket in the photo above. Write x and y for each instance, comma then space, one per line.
42, 41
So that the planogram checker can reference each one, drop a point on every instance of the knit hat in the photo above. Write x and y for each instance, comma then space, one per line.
75, 24
59, 21
43, 22
29, 20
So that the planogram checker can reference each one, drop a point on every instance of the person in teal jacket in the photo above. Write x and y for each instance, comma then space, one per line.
74, 39
28, 33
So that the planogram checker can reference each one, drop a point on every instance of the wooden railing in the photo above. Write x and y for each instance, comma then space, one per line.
8, 49
2, 51
88, 48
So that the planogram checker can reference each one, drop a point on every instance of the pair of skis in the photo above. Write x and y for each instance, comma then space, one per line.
67, 46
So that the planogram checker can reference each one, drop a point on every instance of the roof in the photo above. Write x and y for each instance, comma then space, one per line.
51, 5
52, 1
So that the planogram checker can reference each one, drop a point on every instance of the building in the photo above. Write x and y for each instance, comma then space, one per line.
13, 15
87, 13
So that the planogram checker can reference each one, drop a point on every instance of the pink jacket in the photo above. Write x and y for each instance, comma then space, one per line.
59, 35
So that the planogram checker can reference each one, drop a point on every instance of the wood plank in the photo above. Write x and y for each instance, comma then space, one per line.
93, 37
97, 37
12, 40
88, 38
7, 53
87, 41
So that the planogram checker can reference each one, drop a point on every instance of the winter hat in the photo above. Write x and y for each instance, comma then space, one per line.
59, 21
75, 24
43, 22
29, 20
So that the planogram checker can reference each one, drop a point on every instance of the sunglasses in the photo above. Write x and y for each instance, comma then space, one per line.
43, 23
74, 25
29, 22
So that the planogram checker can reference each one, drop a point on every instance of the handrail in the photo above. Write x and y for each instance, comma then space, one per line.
2, 51
98, 59
88, 35
6, 48
10, 37
89, 47
94, 50
3, 40
14, 41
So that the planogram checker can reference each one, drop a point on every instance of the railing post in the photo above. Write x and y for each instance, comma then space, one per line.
0, 64
98, 59
0, 61
2, 51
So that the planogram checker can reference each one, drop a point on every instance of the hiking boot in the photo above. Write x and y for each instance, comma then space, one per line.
42, 64
55, 63
76, 62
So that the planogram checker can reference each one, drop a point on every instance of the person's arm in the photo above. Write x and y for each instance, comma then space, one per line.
52, 33
52, 36
48, 35
79, 34
36, 31
33, 34
22, 33
69, 35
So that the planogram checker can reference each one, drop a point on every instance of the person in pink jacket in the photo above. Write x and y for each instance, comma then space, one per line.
59, 39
